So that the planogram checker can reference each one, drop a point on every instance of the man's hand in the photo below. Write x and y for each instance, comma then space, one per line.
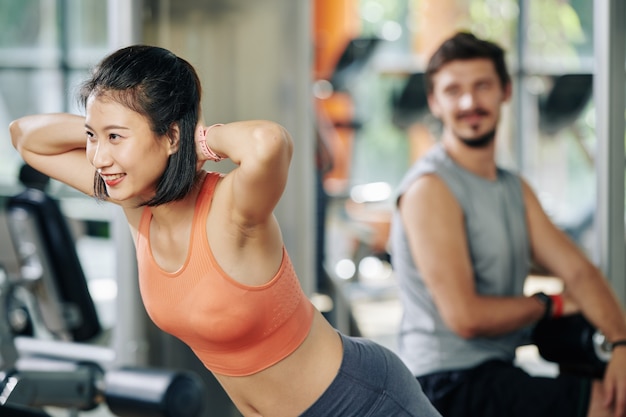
570, 306
615, 382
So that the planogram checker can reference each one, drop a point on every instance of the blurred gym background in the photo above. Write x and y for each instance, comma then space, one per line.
345, 78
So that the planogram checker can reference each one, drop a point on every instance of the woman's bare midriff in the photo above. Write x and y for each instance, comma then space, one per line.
288, 388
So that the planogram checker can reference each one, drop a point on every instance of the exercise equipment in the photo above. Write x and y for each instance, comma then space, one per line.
573, 343
47, 362
353, 59
410, 104
80, 377
565, 102
49, 264
38, 379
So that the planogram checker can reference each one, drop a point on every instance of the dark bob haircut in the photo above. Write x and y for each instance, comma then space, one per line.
464, 46
165, 89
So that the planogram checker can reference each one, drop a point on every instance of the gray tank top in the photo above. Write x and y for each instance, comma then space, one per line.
495, 224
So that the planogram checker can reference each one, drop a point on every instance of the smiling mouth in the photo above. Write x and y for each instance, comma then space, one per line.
472, 118
112, 179
478, 113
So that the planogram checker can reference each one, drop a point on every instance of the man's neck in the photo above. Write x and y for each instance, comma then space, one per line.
480, 161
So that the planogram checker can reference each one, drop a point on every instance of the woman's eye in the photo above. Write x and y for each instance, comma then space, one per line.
90, 136
113, 136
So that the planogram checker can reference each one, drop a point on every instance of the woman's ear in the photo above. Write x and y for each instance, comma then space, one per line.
173, 138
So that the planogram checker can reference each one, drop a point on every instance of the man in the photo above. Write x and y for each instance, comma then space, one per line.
463, 236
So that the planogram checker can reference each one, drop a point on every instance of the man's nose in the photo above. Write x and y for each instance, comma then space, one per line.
466, 101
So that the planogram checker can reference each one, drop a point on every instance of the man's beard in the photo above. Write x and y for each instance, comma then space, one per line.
481, 141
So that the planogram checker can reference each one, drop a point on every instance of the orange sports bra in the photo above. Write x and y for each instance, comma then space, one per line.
234, 329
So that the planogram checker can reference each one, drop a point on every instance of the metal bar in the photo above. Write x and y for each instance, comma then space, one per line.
609, 50
519, 94
130, 338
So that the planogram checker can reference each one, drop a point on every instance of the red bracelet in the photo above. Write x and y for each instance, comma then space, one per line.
206, 150
557, 305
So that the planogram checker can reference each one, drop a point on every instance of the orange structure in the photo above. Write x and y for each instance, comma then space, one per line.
335, 23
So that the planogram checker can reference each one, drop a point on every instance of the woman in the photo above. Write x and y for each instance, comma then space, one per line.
213, 270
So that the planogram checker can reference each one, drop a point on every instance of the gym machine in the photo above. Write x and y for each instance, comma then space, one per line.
48, 322
79, 377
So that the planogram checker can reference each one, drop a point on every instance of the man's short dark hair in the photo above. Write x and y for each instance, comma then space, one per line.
465, 46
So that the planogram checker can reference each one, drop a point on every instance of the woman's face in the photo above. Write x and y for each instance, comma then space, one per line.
130, 156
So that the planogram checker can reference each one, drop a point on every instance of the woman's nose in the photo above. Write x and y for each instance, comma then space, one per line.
101, 157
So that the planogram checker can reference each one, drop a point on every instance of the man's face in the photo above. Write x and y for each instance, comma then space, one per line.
467, 98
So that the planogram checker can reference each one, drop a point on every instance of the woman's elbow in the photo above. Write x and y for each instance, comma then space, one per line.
15, 130
272, 141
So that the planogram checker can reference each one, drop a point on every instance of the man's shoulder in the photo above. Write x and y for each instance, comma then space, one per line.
510, 177
428, 186
428, 163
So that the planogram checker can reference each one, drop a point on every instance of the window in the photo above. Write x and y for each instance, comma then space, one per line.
46, 48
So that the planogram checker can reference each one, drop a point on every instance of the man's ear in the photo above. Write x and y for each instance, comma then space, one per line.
173, 139
508, 91
433, 106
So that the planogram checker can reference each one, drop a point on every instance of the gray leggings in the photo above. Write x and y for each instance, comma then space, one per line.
372, 382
